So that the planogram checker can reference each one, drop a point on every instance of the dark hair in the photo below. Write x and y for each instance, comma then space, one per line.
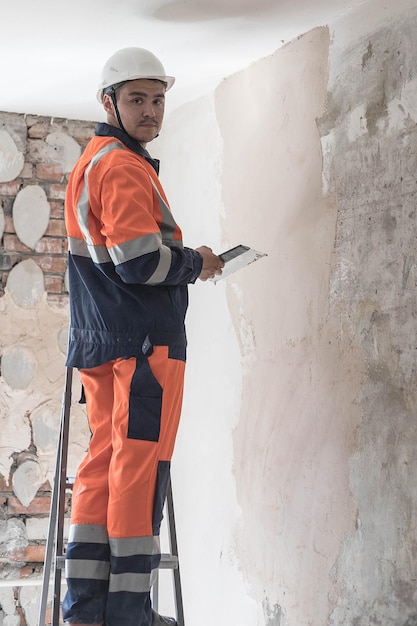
113, 88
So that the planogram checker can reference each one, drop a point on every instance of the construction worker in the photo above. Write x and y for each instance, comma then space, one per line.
128, 278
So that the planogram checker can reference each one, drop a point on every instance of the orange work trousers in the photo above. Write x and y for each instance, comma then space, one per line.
133, 408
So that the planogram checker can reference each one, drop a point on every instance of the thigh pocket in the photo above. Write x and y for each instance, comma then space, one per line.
145, 403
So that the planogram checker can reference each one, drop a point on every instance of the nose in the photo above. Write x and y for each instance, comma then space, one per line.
148, 109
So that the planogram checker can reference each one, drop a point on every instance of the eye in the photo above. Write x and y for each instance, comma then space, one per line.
138, 100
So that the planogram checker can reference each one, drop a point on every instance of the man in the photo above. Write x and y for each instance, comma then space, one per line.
128, 277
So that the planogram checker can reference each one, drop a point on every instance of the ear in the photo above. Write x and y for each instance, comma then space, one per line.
108, 104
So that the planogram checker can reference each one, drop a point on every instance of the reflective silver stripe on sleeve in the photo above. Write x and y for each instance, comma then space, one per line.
162, 270
168, 225
135, 248
82, 568
131, 546
79, 247
88, 533
99, 254
135, 583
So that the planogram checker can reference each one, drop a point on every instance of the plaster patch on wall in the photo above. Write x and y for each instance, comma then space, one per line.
26, 480
15, 433
12, 535
12, 620
245, 329
31, 416
45, 424
18, 367
31, 213
11, 159
299, 416
29, 600
63, 149
7, 601
63, 338
26, 284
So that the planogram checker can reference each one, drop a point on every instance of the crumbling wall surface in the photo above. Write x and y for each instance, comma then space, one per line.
36, 155
369, 136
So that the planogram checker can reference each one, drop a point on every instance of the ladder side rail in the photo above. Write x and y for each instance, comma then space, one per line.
51, 536
174, 552
66, 407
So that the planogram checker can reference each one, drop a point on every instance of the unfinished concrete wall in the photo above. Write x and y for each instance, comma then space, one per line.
373, 124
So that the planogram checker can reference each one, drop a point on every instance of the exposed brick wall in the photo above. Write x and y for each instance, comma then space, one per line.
23, 529
50, 251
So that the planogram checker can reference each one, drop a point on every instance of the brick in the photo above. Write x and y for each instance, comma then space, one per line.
58, 301
9, 224
53, 284
57, 192
26, 571
39, 130
45, 487
46, 171
11, 243
29, 554
38, 506
52, 264
57, 209
56, 228
50, 245
35, 554
81, 132
27, 171
10, 189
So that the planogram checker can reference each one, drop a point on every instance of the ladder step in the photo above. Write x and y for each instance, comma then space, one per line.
168, 561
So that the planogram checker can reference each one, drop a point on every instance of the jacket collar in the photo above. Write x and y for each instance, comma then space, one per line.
106, 130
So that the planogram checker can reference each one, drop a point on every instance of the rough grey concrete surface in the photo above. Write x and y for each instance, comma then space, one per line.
369, 135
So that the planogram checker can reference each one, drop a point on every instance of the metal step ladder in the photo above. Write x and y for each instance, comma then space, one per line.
54, 552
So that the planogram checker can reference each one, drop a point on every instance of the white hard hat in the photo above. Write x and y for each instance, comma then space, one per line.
131, 64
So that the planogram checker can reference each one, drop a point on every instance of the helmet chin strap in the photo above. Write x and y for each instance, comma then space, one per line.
112, 93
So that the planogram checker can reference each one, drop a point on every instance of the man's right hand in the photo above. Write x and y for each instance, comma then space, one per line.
212, 264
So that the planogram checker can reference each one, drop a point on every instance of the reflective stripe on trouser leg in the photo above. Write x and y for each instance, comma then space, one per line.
87, 563
87, 569
145, 413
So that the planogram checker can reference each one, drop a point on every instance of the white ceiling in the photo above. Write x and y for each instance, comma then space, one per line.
52, 51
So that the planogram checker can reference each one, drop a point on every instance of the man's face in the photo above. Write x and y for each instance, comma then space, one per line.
141, 105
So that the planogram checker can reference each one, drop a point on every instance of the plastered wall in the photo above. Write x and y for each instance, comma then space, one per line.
308, 155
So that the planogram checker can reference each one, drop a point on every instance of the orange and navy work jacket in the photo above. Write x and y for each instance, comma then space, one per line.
128, 270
